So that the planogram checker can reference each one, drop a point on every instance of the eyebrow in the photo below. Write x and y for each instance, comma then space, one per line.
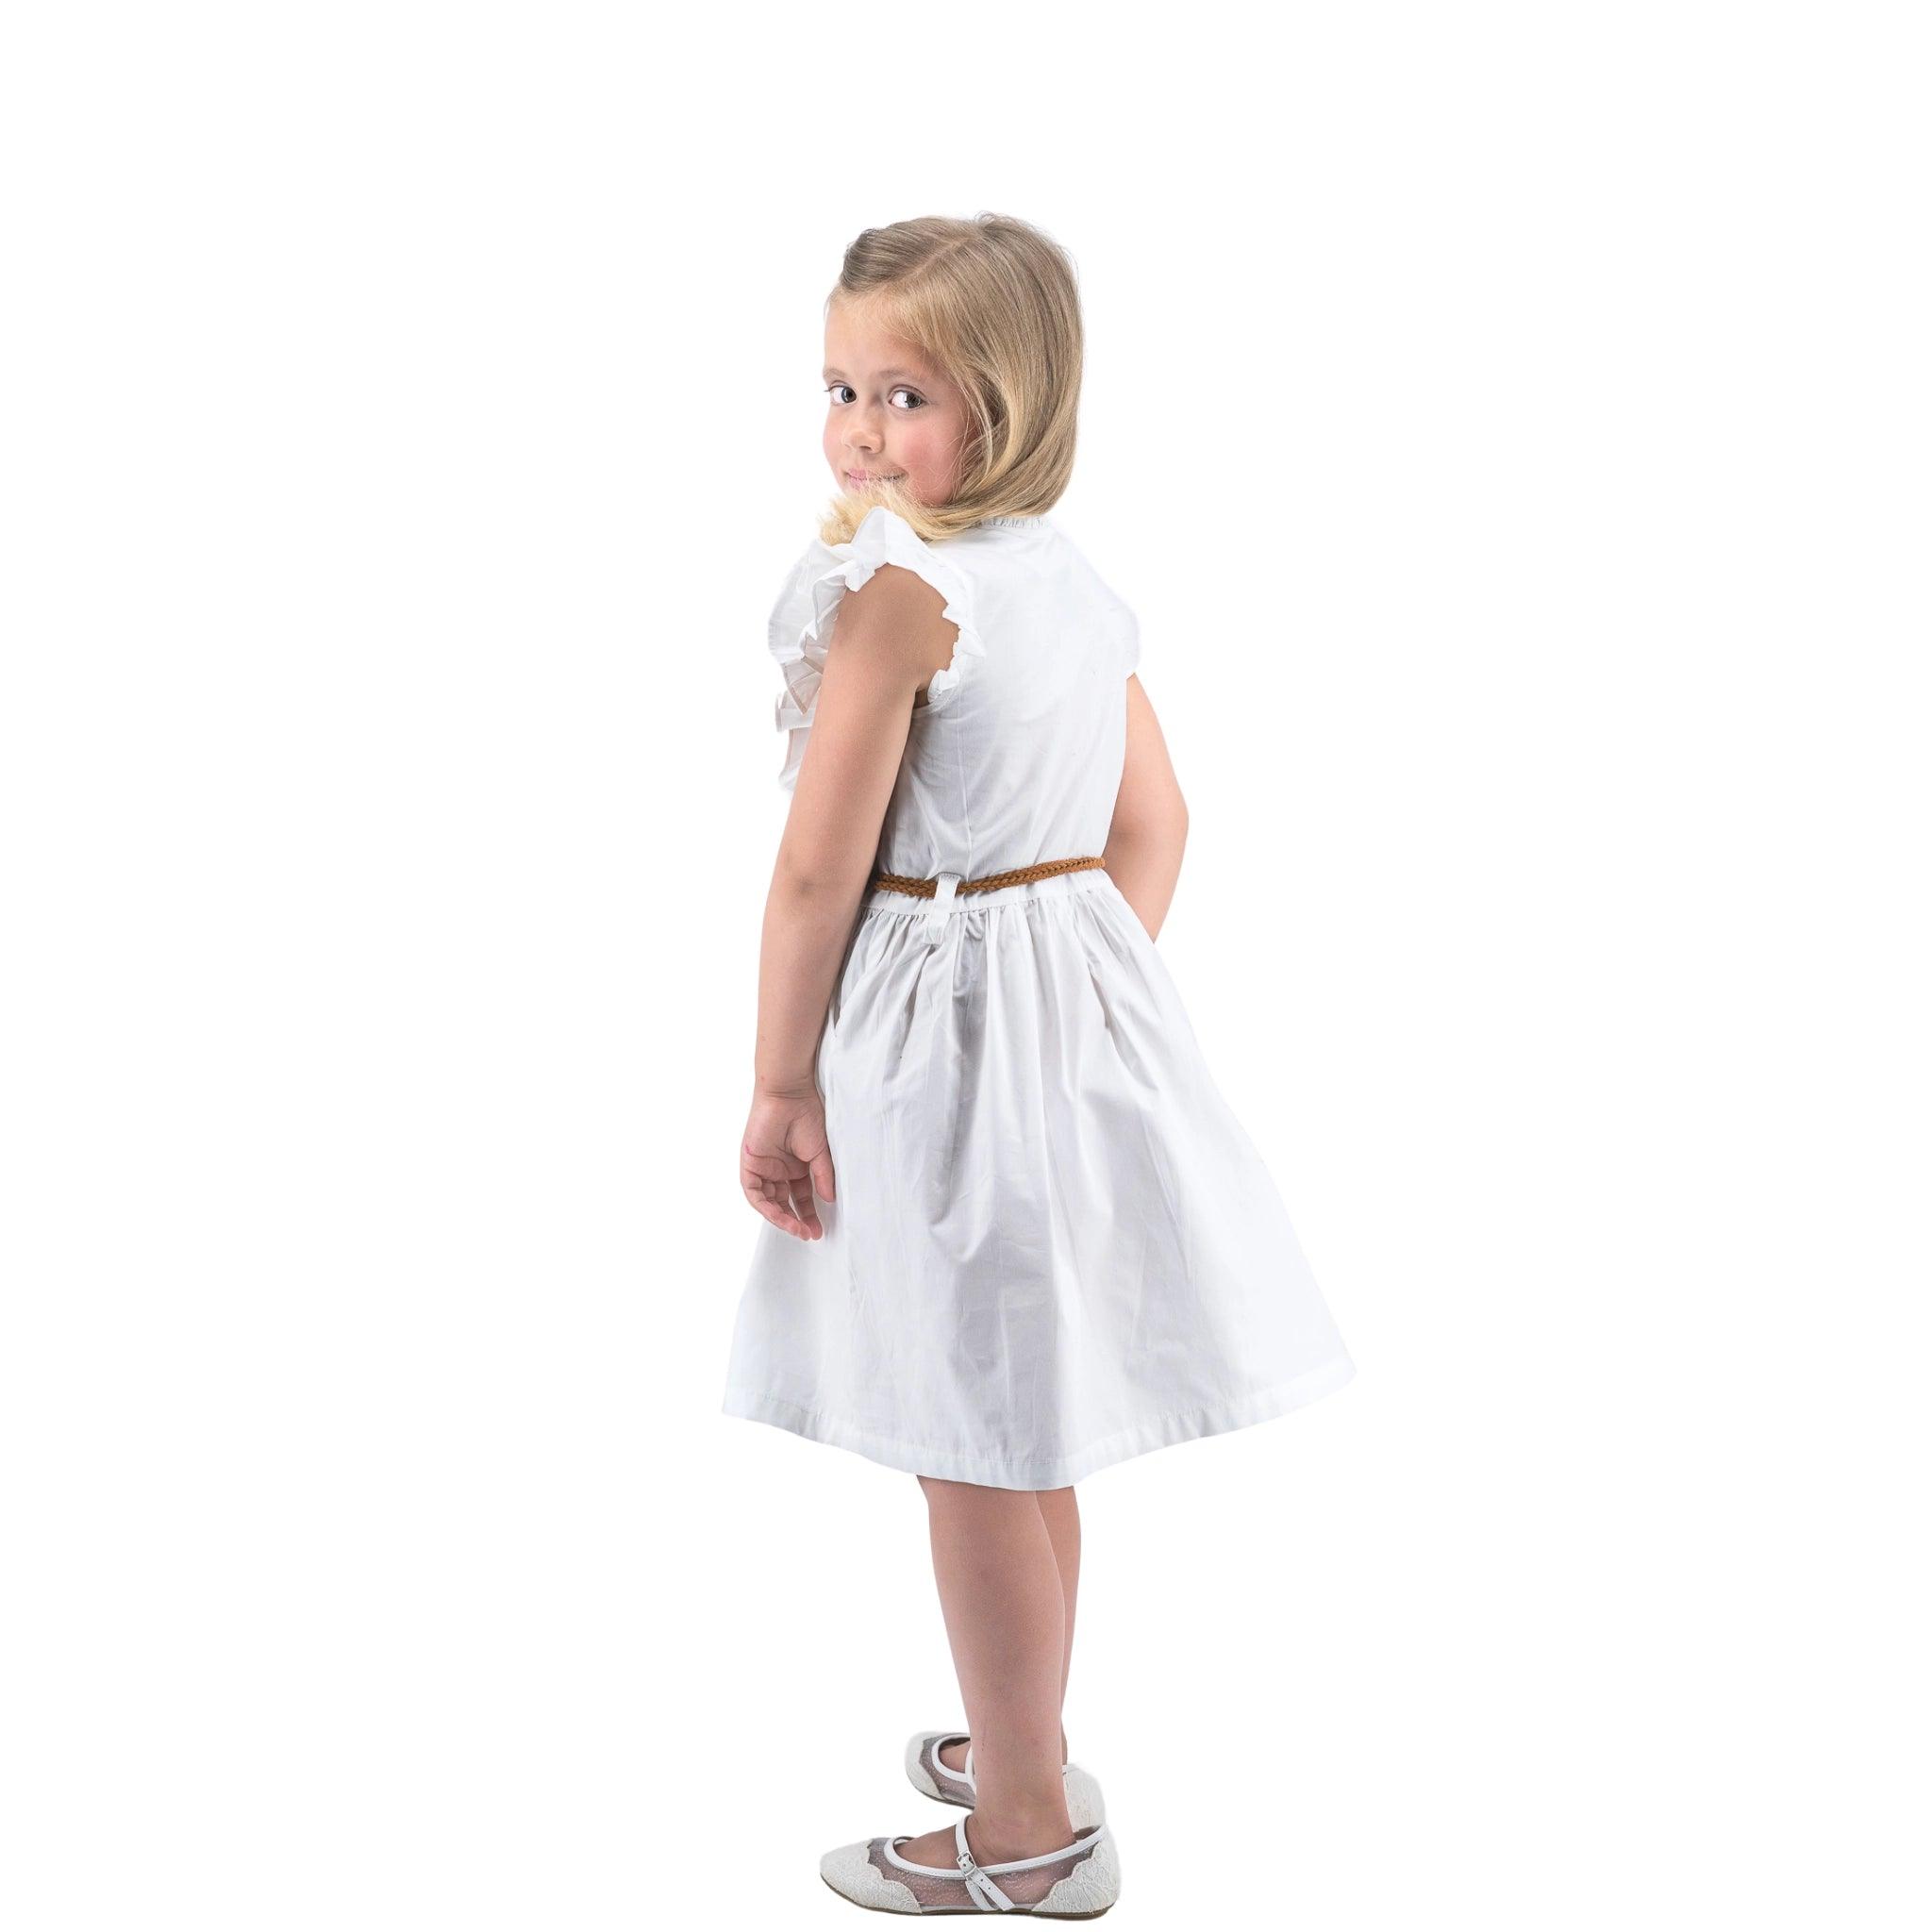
911, 375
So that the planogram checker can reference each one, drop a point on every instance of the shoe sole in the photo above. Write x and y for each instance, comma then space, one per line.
958, 1911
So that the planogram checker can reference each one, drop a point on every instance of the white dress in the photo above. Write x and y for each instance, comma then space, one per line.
1052, 1246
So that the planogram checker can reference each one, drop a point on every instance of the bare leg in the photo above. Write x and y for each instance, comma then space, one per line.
1061, 1512
1005, 1608
1063, 1515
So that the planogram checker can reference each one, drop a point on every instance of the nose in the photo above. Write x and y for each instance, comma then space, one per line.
863, 431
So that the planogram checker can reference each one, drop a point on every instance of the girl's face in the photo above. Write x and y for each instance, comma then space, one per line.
889, 413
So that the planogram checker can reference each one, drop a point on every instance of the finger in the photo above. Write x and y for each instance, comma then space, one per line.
805, 1206
780, 1216
821, 1179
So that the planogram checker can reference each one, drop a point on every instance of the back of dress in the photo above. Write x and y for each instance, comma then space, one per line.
1052, 1245
1016, 755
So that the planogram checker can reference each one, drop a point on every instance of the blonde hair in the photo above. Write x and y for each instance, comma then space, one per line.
995, 305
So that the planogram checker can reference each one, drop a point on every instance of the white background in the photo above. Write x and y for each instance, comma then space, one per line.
1510, 426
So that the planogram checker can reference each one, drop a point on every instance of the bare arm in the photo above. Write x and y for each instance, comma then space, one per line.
1150, 818
888, 641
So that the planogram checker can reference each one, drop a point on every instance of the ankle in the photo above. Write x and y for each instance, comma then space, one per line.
996, 1836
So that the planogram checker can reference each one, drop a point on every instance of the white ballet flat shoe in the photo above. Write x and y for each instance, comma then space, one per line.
1080, 1881
1085, 1805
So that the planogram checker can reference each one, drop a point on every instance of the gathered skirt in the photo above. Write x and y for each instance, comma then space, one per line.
1052, 1246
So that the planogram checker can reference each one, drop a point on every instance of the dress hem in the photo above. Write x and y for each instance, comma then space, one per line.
1158, 1432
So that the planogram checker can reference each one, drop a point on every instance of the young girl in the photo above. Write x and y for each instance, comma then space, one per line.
1014, 1233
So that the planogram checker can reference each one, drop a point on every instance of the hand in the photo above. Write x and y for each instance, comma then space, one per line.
784, 1158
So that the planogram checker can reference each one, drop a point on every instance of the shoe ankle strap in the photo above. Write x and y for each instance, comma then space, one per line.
979, 1887
975, 1874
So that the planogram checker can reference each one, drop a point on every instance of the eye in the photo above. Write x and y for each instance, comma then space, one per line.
918, 400
832, 388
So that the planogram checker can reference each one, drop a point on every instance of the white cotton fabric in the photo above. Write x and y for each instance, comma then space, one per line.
1053, 1244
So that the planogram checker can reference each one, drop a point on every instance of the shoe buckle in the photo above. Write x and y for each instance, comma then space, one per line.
979, 1887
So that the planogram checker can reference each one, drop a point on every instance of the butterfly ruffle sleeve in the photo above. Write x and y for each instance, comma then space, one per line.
800, 632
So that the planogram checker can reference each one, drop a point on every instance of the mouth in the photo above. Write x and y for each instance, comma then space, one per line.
861, 477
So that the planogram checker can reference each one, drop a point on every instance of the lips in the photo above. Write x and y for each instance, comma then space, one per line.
865, 476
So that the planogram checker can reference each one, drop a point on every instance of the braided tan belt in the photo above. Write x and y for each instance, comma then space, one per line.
926, 888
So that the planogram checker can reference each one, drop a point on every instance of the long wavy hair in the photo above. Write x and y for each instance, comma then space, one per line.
995, 305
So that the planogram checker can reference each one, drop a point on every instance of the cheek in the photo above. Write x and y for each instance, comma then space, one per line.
925, 444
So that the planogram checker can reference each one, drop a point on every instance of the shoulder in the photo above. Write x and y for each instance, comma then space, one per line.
884, 582
882, 537
885, 568
893, 576
1094, 588
1080, 568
